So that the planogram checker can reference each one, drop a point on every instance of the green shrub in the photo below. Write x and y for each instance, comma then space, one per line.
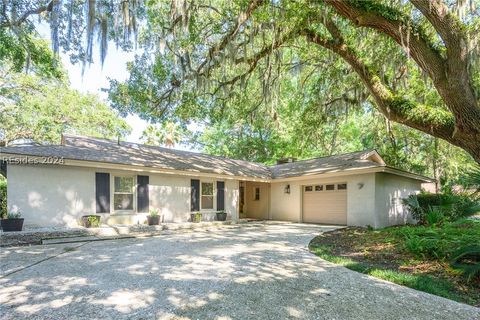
434, 216
435, 242
471, 179
3, 198
451, 206
467, 259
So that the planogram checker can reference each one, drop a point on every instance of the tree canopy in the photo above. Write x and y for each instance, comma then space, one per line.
304, 78
417, 61
37, 103
39, 109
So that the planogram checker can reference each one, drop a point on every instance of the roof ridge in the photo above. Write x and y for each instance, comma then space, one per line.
324, 157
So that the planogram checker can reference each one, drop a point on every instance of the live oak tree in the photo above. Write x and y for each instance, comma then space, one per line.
417, 60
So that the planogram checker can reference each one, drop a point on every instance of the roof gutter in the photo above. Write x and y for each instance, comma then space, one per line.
352, 171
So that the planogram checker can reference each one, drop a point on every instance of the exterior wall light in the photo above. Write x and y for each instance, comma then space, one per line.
287, 189
360, 185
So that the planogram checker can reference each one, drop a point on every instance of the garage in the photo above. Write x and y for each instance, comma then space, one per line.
325, 203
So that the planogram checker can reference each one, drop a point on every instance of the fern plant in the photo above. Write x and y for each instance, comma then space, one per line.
471, 180
467, 259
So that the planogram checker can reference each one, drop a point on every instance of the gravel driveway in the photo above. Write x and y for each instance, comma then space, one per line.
233, 272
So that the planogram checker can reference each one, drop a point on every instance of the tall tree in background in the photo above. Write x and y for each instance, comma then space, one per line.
36, 101
39, 109
417, 60
168, 134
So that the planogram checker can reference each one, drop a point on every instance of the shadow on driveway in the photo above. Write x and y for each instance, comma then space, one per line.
260, 272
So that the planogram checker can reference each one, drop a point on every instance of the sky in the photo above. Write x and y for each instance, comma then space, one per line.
95, 78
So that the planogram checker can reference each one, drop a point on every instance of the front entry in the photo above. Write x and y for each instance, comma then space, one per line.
241, 204
325, 203
257, 198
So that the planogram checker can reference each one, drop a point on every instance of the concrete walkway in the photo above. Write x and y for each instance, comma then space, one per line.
249, 272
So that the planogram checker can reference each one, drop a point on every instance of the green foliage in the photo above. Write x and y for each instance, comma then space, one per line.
436, 117
14, 215
94, 221
438, 242
25, 52
154, 213
471, 179
73, 27
196, 217
427, 208
168, 134
434, 216
3, 197
300, 101
40, 109
467, 259
439, 287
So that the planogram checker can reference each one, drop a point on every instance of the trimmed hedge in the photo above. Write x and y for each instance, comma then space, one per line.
424, 206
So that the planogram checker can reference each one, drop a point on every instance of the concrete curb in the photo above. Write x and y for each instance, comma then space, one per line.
30, 237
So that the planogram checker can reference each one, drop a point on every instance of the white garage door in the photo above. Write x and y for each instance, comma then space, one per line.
325, 203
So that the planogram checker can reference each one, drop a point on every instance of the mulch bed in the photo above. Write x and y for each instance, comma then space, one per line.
374, 250
350, 243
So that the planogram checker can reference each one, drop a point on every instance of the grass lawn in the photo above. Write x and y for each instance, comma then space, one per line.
413, 256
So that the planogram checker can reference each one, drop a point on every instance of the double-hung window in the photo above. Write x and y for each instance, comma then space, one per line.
123, 193
206, 200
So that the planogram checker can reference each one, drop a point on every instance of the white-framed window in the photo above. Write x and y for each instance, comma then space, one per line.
342, 186
123, 193
207, 195
256, 194
308, 188
330, 187
319, 187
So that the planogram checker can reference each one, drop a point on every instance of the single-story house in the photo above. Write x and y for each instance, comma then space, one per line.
121, 181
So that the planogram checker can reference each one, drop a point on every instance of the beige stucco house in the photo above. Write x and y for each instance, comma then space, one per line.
121, 181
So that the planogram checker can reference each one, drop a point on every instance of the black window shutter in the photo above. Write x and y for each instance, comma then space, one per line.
102, 192
220, 195
143, 200
195, 195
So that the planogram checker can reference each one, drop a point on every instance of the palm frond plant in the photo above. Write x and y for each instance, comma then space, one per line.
467, 259
471, 180
153, 217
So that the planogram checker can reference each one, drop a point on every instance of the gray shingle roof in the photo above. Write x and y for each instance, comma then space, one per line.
101, 150
354, 160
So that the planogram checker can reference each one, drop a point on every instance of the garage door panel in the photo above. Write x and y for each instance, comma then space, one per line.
325, 207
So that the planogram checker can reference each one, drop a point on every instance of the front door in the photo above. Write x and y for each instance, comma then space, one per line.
242, 201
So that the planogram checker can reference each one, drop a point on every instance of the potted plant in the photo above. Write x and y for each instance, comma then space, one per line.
196, 217
153, 218
221, 216
91, 221
12, 222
